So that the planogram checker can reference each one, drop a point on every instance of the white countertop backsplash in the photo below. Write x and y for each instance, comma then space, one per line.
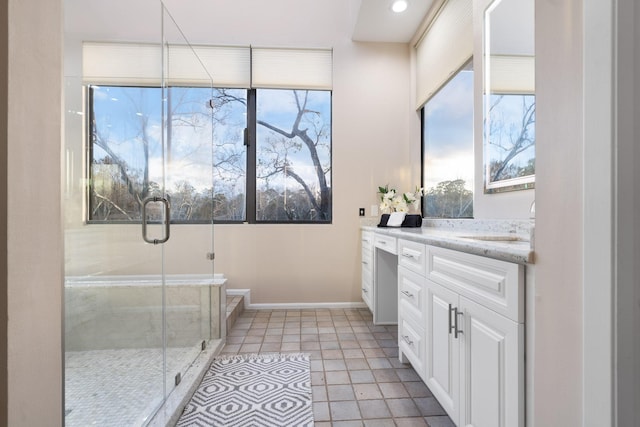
458, 234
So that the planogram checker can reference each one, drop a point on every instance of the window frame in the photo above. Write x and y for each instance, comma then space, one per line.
467, 66
254, 144
250, 143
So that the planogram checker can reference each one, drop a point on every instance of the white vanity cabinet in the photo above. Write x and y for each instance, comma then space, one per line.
379, 276
474, 344
385, 279
411, 319
460, 315
411, 311
367, 268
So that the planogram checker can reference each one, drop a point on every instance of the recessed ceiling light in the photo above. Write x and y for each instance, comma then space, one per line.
399, 6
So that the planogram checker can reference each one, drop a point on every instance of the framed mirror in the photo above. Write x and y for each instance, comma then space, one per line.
509, 96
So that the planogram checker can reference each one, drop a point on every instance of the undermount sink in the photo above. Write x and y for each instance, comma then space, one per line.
495, 238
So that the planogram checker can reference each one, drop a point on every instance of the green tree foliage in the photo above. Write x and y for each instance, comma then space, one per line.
449, 199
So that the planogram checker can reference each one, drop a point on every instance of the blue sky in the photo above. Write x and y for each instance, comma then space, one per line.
449, 133
119, 111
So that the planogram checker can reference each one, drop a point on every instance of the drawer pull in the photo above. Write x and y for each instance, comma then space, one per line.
408, 256
365, 290
382, 242
407, 339
365, 262
407, 294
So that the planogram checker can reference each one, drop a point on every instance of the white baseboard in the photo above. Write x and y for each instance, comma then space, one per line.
306, 305
246, 293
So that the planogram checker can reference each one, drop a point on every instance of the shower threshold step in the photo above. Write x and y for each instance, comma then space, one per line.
235, 307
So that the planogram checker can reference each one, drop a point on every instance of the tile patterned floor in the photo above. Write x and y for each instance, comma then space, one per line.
356, 377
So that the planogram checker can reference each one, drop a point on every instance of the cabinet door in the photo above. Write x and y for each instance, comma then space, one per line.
492, 368
442, 349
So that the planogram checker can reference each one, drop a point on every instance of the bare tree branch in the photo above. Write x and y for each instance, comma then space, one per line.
296, 131
105, 199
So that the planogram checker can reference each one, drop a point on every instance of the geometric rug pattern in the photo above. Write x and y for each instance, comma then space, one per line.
258, 390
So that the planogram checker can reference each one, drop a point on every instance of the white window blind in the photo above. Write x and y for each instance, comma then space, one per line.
444, 48
133, 63
292, 68
512, 74
121, 63
225, 66
222, 66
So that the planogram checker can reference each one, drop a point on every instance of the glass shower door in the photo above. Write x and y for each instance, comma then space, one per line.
192, 299
138, 223
114, 311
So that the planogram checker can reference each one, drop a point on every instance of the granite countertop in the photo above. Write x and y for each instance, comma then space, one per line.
507, 240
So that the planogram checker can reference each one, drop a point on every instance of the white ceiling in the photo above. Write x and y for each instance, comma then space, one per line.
377, 23
373, 20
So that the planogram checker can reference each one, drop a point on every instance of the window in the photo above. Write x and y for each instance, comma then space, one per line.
293, 156
447, 147
205, 180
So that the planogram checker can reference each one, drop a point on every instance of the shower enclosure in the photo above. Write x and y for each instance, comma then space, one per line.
142, 302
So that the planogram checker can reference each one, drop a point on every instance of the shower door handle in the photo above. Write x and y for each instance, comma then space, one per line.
167, 219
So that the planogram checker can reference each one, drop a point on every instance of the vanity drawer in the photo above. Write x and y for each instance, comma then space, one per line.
367, 250
412, 255
411, 342
367, 296
367, 260
411, 295
386, 243
367, 241
498, 285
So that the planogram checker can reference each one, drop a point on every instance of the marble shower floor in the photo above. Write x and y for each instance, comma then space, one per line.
118, 387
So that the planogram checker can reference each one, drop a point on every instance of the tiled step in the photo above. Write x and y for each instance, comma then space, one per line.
235, 307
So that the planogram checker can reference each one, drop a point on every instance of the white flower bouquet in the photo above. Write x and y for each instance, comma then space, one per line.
392, 201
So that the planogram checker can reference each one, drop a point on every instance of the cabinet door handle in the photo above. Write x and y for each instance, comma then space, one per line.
451, 327
407, 293
407, 339
456, 331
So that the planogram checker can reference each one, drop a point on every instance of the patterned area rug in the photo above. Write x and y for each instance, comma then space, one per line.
253, 390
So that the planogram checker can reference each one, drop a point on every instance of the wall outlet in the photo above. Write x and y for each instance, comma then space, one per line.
361, 212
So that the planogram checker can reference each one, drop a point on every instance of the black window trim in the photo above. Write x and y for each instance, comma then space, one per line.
250, 142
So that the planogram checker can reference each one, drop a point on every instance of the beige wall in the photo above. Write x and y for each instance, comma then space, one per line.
4, 44
559, 216
370, 147
290, 263
34, 241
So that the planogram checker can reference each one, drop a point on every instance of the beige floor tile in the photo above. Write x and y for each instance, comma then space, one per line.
356, 376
